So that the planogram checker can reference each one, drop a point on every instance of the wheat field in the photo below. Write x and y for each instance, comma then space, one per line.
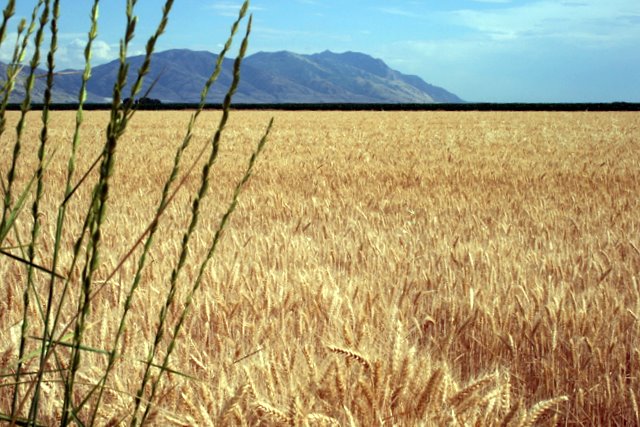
382, 268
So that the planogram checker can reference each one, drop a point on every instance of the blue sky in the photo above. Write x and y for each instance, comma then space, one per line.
482, 50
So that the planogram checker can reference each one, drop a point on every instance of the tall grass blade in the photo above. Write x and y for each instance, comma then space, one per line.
44, 136
7, 13
165, 200
7, 86
15, 66
195, 211
16, 209
49, 329
25, 108
12, 72
52, 301
93, 32
203, 266
97, 210
31, 264
17, 421
48, 343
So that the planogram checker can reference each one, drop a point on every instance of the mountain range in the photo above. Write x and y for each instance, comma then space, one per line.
266, 78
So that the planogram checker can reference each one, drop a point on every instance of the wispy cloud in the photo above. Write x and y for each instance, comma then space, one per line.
491, 1
289, 34
578, 50
229, 9
589, 20
398, 12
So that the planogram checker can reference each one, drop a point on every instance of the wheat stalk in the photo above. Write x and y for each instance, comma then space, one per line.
322, 420
634, 405
350, 354
462, 399
540, 408
426, 396
272, 414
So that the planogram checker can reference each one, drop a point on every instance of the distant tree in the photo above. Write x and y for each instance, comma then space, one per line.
148, 101
143, 102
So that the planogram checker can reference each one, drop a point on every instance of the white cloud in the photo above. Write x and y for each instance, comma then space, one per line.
103, 51
71, 52
590, 21
541, 51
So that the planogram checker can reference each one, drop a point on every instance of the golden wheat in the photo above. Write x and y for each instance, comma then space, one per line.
350, 354
434, 249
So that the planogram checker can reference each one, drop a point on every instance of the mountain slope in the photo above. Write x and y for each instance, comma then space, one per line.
59, 95
281, 77
342, 78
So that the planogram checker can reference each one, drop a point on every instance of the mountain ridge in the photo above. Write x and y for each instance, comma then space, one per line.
178, 76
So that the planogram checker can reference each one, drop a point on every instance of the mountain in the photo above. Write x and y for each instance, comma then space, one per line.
280, 77
60, 95
345, 77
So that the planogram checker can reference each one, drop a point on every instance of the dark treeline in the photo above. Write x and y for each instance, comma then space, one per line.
614, 106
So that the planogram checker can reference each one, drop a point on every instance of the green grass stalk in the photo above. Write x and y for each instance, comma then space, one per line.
195, 211
87, 244
165, 199
25, 108
7, 14
201, 271
48, 331
97, 210
82, 95
44, 136
13, 70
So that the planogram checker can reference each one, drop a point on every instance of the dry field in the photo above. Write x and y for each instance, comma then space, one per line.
424, 268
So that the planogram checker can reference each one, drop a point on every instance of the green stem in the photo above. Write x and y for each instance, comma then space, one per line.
44, 136
195, 211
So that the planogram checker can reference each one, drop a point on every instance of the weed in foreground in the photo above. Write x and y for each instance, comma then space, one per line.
61, 283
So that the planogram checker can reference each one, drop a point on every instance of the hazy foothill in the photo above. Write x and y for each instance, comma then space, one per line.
306, 268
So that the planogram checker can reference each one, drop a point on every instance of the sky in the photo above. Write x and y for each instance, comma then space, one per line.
481, 50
